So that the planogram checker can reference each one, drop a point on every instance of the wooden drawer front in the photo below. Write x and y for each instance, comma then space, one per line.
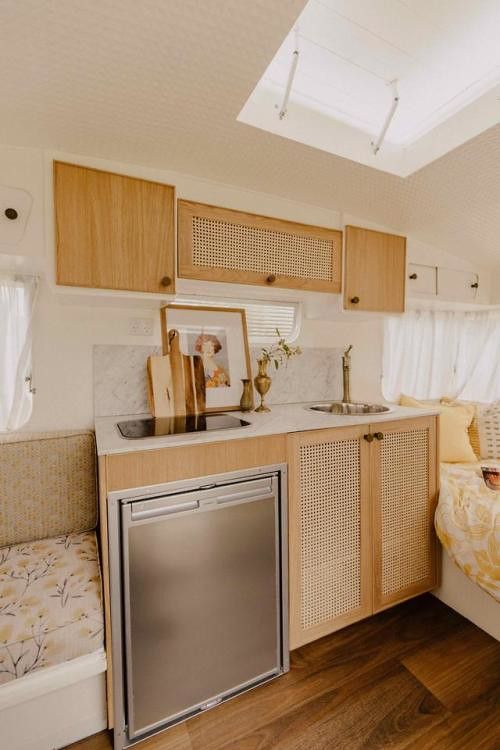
219, 244
113, 231
404, 540
144, 468
327, 536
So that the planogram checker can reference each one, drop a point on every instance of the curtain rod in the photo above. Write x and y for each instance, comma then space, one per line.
18, 275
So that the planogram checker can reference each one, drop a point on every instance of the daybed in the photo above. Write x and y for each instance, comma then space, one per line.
468, 526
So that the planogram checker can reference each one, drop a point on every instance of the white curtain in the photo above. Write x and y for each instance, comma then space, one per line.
17, 301
431, 353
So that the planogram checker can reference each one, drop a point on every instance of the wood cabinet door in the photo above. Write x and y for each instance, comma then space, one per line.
330, 556
404, 483
113, 231
375, 271
220, 244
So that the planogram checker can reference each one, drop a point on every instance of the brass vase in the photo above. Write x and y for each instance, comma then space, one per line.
246, 402
262, 383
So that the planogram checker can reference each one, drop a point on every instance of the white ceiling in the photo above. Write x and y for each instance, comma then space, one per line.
355, 56
161, 83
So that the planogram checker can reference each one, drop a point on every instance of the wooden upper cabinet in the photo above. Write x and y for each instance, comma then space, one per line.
113, 231
219, 244
375, 271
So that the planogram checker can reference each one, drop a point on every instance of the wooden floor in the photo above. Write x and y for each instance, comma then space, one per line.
416, 676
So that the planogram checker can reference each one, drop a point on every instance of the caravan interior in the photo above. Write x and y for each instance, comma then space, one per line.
250, 375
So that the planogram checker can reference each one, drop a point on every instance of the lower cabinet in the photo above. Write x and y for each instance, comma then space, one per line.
361, 510
404, 486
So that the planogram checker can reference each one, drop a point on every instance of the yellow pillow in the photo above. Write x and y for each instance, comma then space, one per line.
473, 429
454, 423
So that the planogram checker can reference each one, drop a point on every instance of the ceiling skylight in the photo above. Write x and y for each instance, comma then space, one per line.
442, 57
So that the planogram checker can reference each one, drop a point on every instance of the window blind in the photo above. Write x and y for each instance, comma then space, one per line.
263, 318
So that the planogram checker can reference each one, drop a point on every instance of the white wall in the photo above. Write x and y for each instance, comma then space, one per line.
69, 322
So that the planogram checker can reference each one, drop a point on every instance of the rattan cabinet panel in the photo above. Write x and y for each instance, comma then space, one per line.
219, 244
361, 512
404, 486
329, 528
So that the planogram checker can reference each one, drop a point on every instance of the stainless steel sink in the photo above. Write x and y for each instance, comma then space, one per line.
349, 408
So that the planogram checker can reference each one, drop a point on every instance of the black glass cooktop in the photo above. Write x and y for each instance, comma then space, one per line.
162, 426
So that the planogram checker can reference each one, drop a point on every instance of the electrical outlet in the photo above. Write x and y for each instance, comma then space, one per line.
140, 327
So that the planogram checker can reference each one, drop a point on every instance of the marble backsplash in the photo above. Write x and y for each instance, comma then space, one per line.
120, 378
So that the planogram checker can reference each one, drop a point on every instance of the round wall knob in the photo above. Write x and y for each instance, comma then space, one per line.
271, 278
166, 281
413, 276
354, 300
475, 285
368, 438
378, 435
11, 213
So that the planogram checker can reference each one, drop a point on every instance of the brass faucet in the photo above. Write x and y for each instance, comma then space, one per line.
346, 373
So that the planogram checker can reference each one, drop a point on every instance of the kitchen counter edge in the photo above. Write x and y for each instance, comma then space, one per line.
282, 419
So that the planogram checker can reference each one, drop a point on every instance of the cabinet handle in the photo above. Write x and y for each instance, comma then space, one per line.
475, 285
166, 281
271, 278
11, 213
368, 437
413, 276
379, 435
354, 300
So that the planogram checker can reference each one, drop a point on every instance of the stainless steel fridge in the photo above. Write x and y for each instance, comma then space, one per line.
198, 595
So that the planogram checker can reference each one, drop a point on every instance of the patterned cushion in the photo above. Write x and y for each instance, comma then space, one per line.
467, 522
488, 427
484, 430
47, 485
50, 603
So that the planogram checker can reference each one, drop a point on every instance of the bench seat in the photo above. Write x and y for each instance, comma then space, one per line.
50, 603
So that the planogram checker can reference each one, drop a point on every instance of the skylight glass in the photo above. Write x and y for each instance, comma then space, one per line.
443, 54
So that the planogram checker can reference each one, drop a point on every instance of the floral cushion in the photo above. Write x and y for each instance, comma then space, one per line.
50, 603
468, 524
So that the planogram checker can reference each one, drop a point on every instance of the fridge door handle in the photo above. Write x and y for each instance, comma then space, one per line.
255, 495
166, 510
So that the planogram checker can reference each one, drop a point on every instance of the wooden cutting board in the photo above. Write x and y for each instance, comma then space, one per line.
160, 387
176, 381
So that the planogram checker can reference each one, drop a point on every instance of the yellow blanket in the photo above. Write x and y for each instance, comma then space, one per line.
468, 524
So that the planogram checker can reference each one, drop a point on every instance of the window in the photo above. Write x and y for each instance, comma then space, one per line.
263, 318
17, 298
430, 354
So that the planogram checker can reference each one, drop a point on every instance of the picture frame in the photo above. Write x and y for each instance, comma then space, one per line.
219, 335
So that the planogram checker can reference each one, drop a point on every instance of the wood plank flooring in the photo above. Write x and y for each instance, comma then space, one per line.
418, 676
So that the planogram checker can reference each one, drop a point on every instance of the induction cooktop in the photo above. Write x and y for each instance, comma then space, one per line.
134, 429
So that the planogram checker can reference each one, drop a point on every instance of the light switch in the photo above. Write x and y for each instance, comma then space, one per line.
140, 326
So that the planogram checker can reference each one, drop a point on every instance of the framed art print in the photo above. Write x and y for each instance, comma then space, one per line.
219, 336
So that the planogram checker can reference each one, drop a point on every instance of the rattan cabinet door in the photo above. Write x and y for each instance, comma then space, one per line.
220, 244
329, 531
404, 494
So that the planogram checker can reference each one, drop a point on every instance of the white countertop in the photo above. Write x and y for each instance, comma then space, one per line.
282, 418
